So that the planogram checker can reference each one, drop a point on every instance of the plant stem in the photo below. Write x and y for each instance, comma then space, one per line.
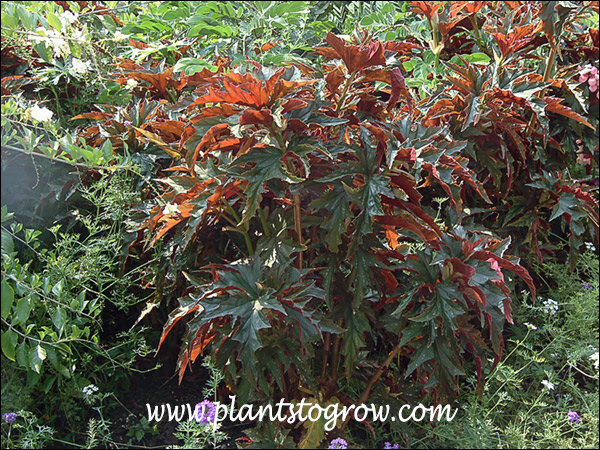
263, 221
242, 230
342, 99
546, 77
365, 395
326, 346
476, 30
298, 225
296, 197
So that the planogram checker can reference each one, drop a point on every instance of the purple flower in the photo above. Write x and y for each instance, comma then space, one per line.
587, 286
390, 446
205, 412
338, 443
573, 416
9, 417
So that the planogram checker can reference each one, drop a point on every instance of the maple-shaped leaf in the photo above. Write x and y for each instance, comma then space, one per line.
337, 202
517, 39
266, 164
355, 57
251, 297
503, 263
428, 9
363, 262
554, 105
368, 196
249, 90
448, 304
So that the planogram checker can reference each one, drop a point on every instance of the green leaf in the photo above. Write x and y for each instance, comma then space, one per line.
23, 310
58, 319
23, 354
421, 356
267, 165
363, 261
9, 343
473, 112
209, 30
7, 243
9, 21
443, 305
190, 66
37, 355
314, 429
336, 201
53, 21
475, 58
8, 296
569, 204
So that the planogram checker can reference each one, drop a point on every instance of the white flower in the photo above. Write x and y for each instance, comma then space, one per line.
79, 67
119, 36
550, 306
39, 35
131, 83
170, 209
59, 45
548, 385
594, 359
78, 36
530, 326
590, 246
89, 390
40, 114
67, 18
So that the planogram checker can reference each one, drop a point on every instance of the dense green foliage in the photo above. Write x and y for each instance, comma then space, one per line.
348, 201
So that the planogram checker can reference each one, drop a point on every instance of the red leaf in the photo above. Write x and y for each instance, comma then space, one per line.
254, 117
354, 56
553, 105
521, 271
210, 137
426, 8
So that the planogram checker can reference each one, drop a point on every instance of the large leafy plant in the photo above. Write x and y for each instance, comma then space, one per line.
320, 170
297, 224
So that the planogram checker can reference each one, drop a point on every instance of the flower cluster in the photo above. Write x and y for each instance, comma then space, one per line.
53, 40
57, 40
131, 83
589, 74
594, 360
587, 286
573, 416
205, 412
390, 445
40, 114
530, 326
550, 306
89, 390
118, 36
9, 417
548, 385
67, 18
79, 68
170, 209
338, 443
